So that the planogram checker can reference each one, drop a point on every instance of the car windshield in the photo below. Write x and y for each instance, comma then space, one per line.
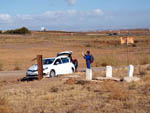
48, 61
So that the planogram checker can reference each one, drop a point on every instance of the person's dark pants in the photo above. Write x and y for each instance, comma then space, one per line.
88, 65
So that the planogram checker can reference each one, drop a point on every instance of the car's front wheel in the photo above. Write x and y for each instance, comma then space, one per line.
52, 73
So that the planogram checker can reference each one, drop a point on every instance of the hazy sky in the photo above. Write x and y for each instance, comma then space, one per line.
74, 14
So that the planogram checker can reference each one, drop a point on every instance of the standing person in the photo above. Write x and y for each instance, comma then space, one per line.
75, 62
87, 57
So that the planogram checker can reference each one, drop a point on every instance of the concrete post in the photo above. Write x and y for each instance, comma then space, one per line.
130, 77
88, 74
130, 70
40, 67
108, 71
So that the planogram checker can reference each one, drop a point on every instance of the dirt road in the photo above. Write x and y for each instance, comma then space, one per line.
23, 72
12, 73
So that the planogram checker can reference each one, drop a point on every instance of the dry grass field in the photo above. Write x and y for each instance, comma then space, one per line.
17, 51
60, 95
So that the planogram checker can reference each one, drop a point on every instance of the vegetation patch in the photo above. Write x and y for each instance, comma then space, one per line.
1, 66
106, 60
16, 66
4, 105
145, 60
22, 30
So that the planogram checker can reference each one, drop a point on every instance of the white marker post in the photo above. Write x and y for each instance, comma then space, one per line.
130, 70
108, 72
130, 77
88, 74
109, 75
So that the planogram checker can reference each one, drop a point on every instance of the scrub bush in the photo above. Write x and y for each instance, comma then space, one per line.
1, 66
22, 30
144, 60
3, 105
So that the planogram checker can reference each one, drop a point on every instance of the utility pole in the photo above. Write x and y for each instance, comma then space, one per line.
127, 51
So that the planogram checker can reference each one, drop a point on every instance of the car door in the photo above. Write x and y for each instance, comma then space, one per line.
66, 67
58, 66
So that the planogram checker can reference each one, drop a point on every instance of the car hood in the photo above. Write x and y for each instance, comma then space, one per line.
35, 67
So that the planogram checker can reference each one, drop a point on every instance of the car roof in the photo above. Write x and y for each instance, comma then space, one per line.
67, 52
49, 58
56, 57
62, 56
64, 53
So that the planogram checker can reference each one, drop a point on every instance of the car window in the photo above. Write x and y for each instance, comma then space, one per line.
58, 61
65, 60
48, 61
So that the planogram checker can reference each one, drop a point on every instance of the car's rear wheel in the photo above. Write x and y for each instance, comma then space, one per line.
52, 73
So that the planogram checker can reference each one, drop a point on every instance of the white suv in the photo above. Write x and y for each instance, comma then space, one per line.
53, 67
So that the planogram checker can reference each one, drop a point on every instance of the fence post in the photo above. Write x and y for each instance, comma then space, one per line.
108, 72
88, 74
130, 70
40, 67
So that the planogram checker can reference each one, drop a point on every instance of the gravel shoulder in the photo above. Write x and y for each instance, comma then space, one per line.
22, 73
12, 73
